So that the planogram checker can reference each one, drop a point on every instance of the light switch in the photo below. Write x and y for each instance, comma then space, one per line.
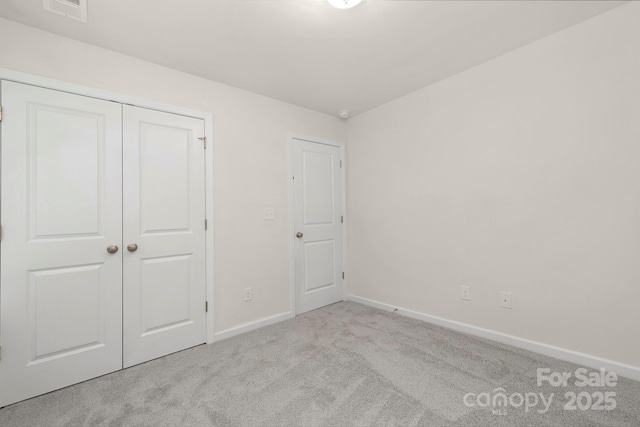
269, 213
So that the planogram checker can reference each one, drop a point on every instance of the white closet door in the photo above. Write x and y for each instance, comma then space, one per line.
61, 291
164, 213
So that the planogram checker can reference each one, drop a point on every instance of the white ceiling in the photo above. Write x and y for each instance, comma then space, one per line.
306, 52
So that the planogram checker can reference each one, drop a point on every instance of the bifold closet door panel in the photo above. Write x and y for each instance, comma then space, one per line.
164, 234
61, 209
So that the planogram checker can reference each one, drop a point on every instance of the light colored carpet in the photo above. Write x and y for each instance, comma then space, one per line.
345, 364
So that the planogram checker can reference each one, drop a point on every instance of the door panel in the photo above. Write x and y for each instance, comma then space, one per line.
319, 264
318, 191
51, 310
165, 293
164, 212
317, 215
64, 171
61, 293
164, 177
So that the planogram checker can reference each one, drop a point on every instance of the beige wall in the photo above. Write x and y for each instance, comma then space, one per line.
522, 175
250, 148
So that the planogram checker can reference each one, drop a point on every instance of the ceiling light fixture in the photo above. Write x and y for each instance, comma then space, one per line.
344, 4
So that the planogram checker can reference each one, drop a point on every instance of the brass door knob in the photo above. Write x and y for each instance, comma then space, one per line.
299, 235
132, 247
112, 249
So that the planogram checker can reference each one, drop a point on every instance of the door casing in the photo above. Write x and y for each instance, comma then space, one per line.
292, 230
44, 82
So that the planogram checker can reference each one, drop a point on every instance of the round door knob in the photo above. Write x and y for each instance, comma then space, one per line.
112, 249
132, 247
299, 234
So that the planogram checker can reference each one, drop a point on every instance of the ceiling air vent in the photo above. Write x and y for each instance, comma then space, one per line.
74, 9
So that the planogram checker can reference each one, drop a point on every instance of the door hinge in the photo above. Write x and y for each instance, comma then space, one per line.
206, 306
340, 163
343, 274
0, 232
204, 140
0, 114
206, 224
342, 219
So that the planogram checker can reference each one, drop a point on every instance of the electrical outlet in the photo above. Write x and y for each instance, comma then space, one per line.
248, 294
505, 299
269, 213
465, 293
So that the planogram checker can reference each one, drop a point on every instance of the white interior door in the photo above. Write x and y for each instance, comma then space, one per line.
61, 291
164, 216
317, 195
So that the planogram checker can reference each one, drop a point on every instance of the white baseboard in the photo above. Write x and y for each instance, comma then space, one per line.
621, 369
266, 321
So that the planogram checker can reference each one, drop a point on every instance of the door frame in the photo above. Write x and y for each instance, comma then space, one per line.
48, 83
292, 232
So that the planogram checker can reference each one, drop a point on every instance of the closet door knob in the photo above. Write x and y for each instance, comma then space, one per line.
299, 235
132, 247
112, 249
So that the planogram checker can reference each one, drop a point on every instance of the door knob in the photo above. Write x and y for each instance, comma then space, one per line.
132, 247
299, 235
112, 249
